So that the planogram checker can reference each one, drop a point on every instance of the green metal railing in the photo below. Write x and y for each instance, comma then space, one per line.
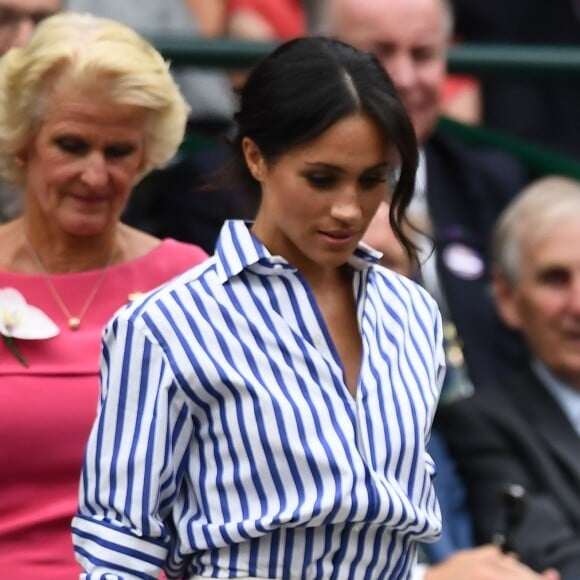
209, 53
541, 160
480, 60
515, 62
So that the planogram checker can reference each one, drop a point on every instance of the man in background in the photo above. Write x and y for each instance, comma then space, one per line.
525, 429
453, 556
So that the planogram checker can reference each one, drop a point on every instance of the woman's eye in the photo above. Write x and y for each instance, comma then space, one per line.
119, 151
75, 146
370, 181
320, 180
71, 145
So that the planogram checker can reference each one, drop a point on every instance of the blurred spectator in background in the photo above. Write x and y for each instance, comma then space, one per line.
176, 202
460, 190
18, 19
525, 429
541, 109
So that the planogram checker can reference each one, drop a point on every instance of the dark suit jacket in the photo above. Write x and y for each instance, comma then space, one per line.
467, 188
515, 432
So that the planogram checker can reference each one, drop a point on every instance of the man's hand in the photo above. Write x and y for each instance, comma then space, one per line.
485, 563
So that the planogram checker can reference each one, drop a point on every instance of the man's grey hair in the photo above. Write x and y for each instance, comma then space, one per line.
530, 217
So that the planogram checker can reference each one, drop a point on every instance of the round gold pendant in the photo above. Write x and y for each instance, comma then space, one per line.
74, 322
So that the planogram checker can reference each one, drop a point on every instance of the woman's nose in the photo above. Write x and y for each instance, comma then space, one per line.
95, 172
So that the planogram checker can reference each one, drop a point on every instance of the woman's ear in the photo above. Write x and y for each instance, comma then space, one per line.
254, 159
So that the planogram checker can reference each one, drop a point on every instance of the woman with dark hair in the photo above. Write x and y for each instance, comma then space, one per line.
266, 415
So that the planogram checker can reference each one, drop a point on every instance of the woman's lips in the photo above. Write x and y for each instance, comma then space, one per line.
339, 238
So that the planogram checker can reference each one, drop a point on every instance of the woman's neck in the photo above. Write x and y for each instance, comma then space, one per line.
55, 252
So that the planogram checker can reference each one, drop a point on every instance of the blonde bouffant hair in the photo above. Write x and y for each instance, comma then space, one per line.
91, 53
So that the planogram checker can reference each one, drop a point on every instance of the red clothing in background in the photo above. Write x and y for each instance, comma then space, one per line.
286, 17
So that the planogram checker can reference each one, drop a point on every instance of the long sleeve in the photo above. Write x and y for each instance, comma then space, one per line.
134, 460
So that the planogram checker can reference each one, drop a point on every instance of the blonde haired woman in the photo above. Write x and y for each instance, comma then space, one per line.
87, 108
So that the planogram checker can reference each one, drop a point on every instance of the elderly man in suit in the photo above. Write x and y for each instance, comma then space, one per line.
453, 556
460, 189
525, 429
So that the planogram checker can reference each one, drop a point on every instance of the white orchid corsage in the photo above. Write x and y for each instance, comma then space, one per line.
20, 320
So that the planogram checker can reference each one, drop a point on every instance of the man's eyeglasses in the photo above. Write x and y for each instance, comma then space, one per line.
10, 18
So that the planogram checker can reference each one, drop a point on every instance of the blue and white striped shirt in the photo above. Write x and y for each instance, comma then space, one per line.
227, 443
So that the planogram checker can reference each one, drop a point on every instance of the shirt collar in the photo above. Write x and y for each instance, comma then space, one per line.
567, 397
237, 249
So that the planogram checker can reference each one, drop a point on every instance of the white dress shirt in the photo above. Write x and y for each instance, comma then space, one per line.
227, 443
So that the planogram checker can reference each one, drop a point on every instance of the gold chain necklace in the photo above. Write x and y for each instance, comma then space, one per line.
74, 322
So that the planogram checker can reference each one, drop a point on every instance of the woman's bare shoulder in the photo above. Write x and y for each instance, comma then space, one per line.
135, 243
